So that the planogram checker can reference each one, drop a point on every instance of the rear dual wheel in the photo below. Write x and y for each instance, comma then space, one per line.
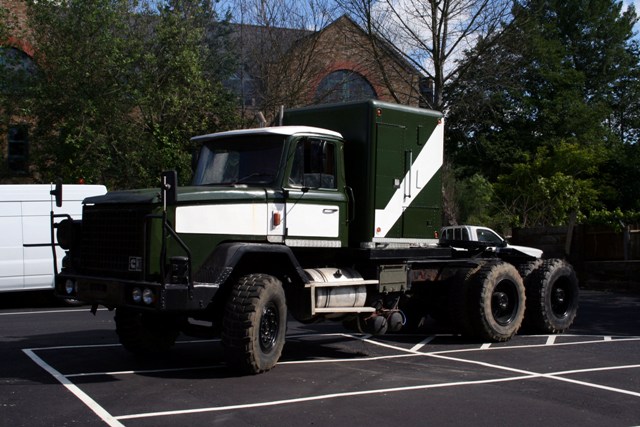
552, 297
490, 302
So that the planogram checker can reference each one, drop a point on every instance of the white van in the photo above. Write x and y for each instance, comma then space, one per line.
26, 259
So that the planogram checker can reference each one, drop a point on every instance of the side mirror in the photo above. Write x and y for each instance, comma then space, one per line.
169, 187
57, 192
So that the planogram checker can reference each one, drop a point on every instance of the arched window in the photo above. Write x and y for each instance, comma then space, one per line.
16, 67
344, 86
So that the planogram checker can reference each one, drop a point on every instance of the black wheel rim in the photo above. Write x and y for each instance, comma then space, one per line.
561, 297
504, 302
269, 325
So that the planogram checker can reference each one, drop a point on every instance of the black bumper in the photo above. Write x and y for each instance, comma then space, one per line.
113, 293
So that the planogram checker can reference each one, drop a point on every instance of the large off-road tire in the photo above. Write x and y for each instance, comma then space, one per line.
525, 269
552, 297
459, 301
496, 302
254, 324
145, 333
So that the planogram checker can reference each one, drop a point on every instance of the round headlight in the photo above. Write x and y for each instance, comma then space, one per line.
136, 294
147, 296
69, 286
67, 232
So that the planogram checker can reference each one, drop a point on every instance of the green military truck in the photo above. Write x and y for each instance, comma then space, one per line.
334, 215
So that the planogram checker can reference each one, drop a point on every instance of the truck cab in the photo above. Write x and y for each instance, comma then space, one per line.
298, 172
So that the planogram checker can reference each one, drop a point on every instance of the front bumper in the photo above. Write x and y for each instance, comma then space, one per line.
113, 293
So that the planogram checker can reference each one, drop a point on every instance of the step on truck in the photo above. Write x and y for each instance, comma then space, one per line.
333, 215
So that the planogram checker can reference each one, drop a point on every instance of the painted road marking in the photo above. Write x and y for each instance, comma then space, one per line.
113, 420
20, 313
75, 390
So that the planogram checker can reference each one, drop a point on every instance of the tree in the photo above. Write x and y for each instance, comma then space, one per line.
432, 34
121, 88
278, 52
537, 115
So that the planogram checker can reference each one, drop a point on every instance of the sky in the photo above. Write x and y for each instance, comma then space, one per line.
636, 3
226, 3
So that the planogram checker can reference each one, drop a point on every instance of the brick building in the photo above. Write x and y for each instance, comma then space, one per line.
278, 67
16, 52
339, 63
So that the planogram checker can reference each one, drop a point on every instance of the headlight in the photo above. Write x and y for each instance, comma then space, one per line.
147, 296
70, 287
67, 233
136, 295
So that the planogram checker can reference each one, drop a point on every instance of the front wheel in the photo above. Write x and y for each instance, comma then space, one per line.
254, 324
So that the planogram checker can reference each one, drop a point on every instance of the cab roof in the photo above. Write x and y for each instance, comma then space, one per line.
276, 130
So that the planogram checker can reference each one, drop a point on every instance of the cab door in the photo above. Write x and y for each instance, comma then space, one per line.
316, 205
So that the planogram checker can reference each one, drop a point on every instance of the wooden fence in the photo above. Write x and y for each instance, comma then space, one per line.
603, 257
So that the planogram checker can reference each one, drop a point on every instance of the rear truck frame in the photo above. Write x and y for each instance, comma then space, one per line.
332, 216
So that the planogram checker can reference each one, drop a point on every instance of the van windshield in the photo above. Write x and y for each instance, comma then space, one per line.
243, 159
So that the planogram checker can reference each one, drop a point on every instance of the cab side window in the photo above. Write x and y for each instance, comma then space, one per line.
314, 164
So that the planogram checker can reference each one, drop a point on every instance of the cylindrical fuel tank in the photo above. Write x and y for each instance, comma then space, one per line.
338, 296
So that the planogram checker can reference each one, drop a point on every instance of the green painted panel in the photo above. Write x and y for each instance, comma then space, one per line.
390, 162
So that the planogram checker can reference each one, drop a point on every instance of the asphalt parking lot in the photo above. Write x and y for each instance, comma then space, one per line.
63, 366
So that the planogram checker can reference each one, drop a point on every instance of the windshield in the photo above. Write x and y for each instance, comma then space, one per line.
242, 159
486, 235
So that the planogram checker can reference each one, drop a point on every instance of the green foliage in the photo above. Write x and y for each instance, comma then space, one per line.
546, 116
616, 219
474, 197
122, 87
555, 184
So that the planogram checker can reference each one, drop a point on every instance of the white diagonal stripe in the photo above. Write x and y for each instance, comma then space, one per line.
424, 168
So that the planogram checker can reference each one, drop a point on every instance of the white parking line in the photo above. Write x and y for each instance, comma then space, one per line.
318, 397
423, 343
402, 352
84, 398
535, 374
20, 313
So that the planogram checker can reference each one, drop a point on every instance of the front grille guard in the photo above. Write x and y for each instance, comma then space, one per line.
169, 186
166, 228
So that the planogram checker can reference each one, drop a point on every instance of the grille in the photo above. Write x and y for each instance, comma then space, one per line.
113, 242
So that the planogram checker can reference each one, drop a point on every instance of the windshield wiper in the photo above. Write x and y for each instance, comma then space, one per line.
257, 174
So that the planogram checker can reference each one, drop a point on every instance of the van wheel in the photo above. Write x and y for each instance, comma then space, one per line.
71, 302
254, 324
552, 297
145, 333
496, 302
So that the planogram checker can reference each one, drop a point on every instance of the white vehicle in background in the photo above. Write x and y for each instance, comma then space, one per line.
458, 235
26, 258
